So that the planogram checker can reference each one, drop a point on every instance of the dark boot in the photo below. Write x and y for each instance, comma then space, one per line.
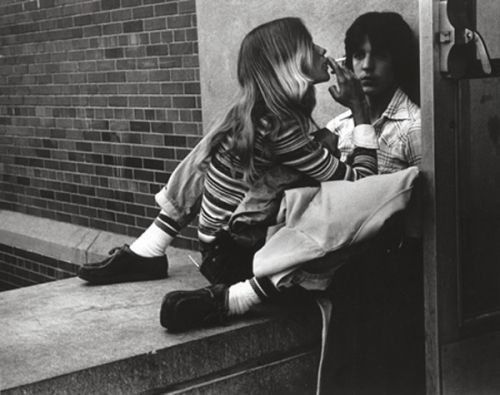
184, 310
122, 266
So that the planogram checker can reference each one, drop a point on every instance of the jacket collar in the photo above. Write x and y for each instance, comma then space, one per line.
397, 109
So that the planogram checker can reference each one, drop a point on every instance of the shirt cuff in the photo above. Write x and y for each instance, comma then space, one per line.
364, 136
330, 125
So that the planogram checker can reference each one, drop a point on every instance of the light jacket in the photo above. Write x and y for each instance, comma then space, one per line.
315, 221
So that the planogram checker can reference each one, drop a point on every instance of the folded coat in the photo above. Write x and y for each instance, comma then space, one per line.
314, 221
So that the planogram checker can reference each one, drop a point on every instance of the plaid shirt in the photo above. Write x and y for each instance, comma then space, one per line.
399, 131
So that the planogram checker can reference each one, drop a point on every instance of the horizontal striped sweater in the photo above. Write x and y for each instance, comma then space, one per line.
225, 187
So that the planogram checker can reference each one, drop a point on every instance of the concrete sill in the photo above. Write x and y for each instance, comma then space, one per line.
66, 337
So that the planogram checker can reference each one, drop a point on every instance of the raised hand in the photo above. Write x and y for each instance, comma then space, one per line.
349, 93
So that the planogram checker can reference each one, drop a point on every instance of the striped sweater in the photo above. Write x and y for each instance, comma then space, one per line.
224, 186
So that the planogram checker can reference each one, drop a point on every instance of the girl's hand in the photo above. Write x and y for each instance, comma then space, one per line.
349, 92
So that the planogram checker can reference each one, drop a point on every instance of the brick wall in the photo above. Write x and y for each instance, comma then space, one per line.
99, 101
19, 268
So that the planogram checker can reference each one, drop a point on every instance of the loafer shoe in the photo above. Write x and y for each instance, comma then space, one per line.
185, 310
123, 265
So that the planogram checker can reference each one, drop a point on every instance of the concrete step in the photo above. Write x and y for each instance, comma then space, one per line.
66, 337
35, 250
58, 240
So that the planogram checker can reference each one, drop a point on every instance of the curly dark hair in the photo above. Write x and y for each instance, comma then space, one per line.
388, 31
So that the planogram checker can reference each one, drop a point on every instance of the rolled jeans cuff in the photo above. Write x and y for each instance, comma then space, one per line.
364, 136
171, 210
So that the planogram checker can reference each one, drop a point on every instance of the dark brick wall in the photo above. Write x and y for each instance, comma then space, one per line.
99, 101
19, 268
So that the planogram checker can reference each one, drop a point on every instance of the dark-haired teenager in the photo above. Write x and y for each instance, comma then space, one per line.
381, 51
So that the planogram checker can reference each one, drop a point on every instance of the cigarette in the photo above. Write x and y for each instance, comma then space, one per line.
341, 60
192, 260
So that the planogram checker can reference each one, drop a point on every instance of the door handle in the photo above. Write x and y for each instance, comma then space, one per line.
462, 49
481, 50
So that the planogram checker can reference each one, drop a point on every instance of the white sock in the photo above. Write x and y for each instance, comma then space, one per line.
153, 242
241, 298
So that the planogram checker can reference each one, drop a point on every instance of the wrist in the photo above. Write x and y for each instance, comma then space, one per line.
361, 112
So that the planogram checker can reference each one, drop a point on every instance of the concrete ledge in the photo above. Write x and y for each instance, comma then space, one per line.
68, 337
59, 240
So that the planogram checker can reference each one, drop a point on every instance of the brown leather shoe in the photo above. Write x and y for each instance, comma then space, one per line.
124, 265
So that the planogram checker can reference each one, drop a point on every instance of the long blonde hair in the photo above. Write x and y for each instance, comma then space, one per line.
273, 63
